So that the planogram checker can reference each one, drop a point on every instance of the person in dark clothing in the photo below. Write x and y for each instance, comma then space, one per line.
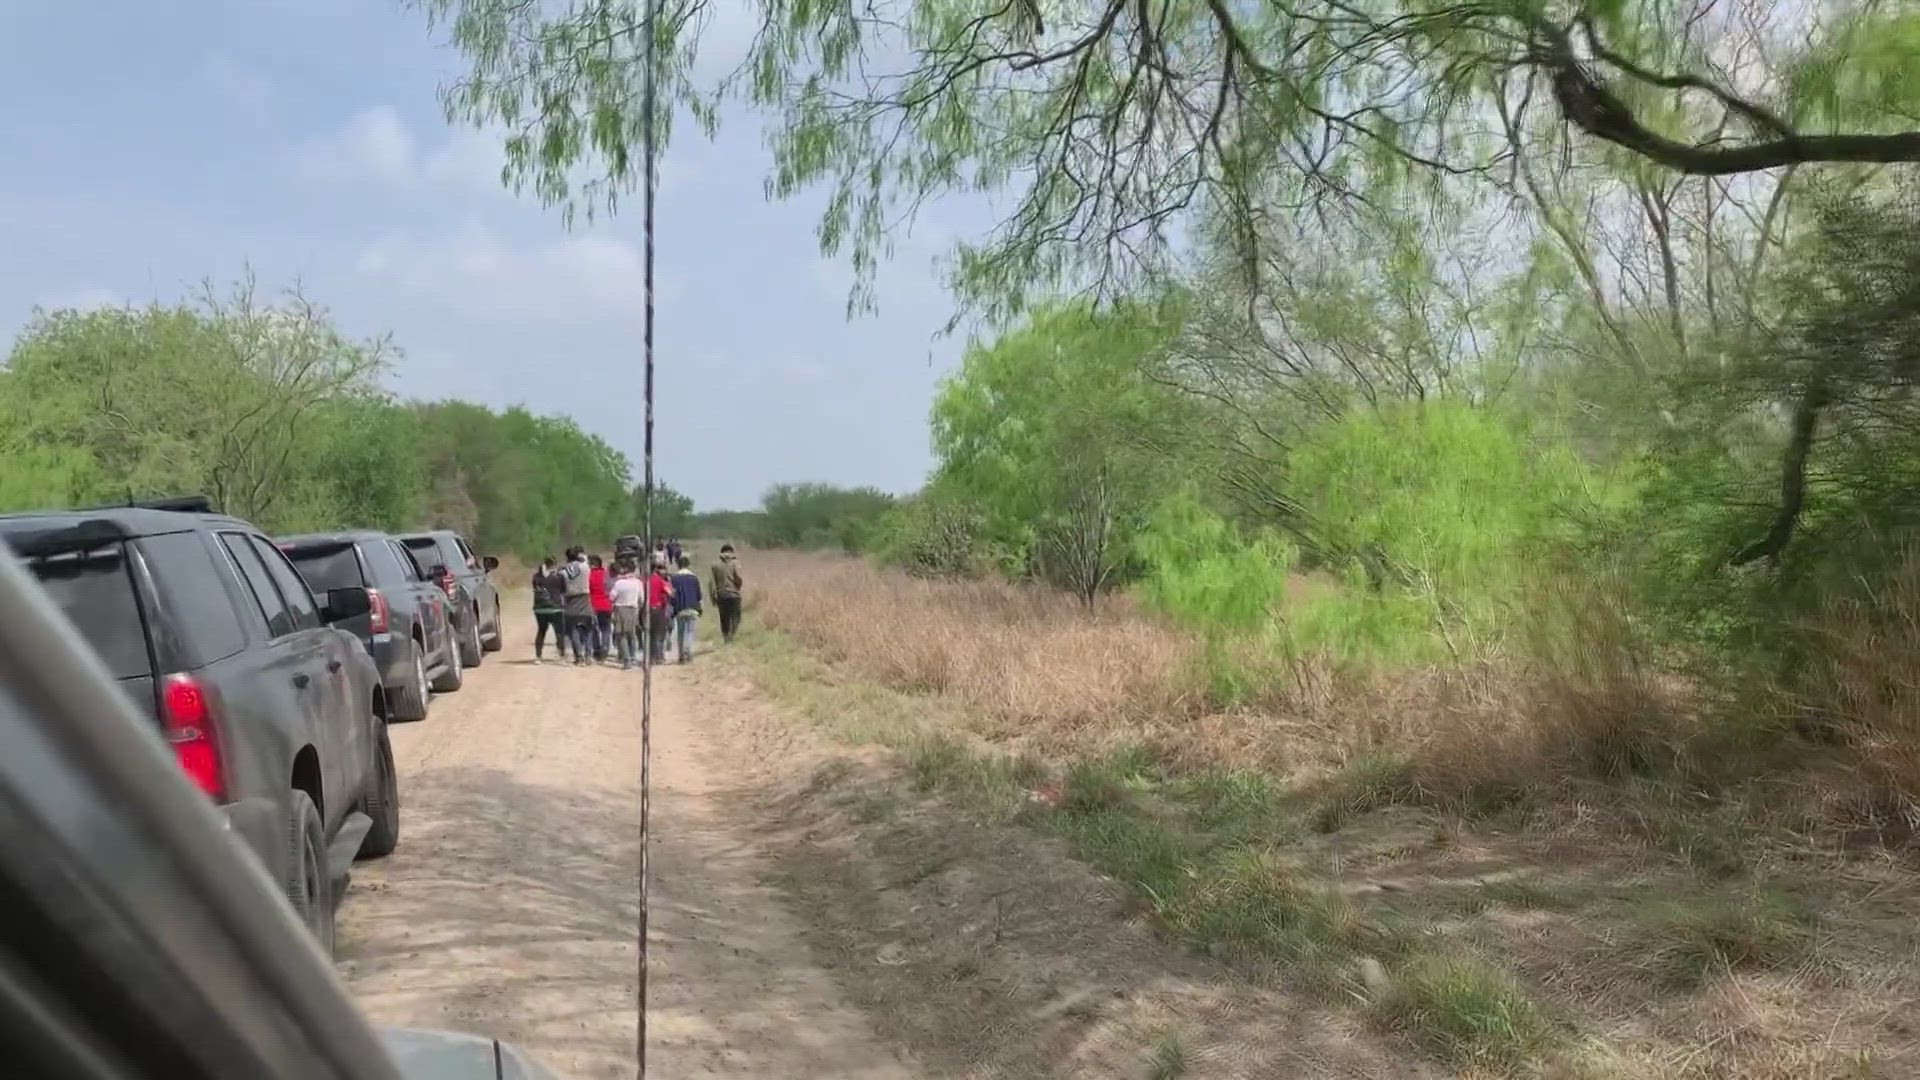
727, 587
549, 610
673, 552
686, 607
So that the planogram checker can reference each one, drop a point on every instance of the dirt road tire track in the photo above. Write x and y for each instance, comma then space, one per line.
509, 908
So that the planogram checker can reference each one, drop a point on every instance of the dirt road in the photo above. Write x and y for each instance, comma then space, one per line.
510, 907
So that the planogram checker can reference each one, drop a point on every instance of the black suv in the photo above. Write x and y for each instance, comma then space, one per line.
407, 631
451, 564
274, 714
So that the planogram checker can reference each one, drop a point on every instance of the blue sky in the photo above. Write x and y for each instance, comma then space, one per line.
150, 146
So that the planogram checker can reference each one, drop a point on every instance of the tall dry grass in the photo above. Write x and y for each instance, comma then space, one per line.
1033, 666
1866, 687
1023, 657
1582, 699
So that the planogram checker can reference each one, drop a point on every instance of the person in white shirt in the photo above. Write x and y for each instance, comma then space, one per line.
626, 591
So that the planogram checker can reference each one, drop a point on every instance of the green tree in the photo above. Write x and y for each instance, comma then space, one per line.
1058, 435
1111, 122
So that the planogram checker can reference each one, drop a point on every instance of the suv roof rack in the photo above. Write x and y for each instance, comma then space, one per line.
184, 504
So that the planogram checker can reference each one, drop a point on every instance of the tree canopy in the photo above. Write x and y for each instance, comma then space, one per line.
1120, 127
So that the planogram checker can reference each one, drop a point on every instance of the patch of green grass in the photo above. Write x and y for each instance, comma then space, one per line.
1239, 806
1471, 1013
1529, 894
1696, 937
1717, 841
1169, 1058
1366, 782
938, 762
1258, 905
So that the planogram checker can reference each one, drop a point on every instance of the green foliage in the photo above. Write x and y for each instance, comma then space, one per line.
269, 410
820, 515
1055, 436
1200, 570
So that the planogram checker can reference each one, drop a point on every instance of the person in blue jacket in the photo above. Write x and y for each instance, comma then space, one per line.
686, 607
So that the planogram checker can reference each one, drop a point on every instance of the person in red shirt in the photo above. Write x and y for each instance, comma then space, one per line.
659, 612
597, 584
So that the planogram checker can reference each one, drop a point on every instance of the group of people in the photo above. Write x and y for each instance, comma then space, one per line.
598, 613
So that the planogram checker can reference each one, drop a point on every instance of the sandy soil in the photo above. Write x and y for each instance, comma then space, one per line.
813, 917
510, 907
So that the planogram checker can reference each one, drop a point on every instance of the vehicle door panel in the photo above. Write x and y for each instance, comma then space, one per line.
429, 601
343, 700
209, 620
297, 662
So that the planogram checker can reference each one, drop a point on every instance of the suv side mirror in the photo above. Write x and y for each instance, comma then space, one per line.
345, 604
490, 563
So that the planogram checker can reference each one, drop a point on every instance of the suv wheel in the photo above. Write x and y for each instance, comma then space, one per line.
450, 676
410, 698
382, 804
470, 649
495, 640
307, 884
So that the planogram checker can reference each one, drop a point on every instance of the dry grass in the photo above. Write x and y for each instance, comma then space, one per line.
1542, 859
1867, 688
1036, 669
1023, 657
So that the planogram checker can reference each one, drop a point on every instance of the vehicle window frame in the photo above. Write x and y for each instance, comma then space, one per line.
466, 552
409, 563
272, 557
124, 556
297, 557
377, 563
185, 619
227, 538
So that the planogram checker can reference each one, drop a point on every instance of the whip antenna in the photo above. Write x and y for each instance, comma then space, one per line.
649, 151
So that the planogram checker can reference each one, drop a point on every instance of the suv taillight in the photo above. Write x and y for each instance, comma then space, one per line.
447, 586
188, 716
378, 611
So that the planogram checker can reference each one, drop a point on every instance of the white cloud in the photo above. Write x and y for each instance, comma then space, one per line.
373, 145
476, 273
377, 146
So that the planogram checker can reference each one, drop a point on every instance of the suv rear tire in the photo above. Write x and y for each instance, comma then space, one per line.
453, 674
308, 885
470, 648
382, 804
410, 698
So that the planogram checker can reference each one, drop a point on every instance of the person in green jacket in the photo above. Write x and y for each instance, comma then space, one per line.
727, 586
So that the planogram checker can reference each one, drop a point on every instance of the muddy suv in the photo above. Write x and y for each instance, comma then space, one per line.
408, 632
273, 713
472, 600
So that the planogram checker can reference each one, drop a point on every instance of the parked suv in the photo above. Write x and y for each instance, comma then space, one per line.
407, 631
451, 564
274, 714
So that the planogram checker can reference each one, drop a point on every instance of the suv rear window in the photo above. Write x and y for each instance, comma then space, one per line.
329, 567
427, 550
95, 590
